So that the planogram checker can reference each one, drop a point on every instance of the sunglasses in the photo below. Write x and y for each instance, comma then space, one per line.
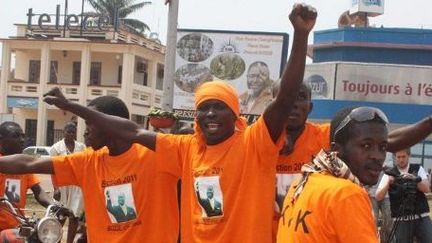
362, 114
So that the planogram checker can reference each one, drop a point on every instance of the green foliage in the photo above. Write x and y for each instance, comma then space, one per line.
157, 112
125, 8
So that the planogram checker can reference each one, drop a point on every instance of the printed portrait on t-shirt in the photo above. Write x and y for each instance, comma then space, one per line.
283, 183
120, 203
209, 196
12, 190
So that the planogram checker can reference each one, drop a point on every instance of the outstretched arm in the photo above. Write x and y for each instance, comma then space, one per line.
114, 126
25, 164
303, 19
41, 196
408, 136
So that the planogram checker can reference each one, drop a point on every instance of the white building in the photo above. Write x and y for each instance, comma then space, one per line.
84, 64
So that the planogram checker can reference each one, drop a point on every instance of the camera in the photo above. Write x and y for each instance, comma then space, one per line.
408, 186
405, 188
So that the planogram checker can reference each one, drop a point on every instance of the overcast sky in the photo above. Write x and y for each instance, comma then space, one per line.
245, 15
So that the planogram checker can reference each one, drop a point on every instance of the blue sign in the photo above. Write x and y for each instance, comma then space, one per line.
372, 3
22, 102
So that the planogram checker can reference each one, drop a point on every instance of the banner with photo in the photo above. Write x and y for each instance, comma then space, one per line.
384, 83
249, 61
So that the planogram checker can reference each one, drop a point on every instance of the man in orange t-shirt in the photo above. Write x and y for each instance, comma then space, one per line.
14, 187
328, 203
115, 173
305, 139
236, 161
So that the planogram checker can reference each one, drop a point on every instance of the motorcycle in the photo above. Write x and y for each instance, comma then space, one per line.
47, 229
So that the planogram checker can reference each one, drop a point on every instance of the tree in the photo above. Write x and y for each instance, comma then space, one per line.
125, 8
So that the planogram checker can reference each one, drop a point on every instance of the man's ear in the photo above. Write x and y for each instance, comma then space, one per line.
336, 147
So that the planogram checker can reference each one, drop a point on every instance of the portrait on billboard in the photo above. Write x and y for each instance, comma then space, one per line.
195, 47
12, 190
227, 66
120, 203
188, 77
209, 196
259, 89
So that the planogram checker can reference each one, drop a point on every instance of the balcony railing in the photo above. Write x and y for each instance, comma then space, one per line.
141, 95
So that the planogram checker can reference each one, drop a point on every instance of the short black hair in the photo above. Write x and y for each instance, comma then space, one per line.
344, 135
69, 125
110, 105
5, 128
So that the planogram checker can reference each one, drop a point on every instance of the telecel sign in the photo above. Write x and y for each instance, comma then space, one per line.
71, 21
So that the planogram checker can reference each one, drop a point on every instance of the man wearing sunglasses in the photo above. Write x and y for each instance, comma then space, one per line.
328, 203
304, 139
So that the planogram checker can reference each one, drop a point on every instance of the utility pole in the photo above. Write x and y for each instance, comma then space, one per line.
168, 80
82, 17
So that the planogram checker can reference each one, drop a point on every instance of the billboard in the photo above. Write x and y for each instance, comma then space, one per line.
384, 83
321, 78
249, 61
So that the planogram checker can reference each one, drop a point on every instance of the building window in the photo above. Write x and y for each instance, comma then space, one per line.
159, 77
34, 71
95, 73
119, 75
76, 73
141, 67
138, 119
145, 77
53, 72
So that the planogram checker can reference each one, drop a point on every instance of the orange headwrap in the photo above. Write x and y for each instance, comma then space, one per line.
219, 90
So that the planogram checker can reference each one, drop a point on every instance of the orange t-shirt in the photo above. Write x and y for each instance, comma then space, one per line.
313, 138
329, 209
127, 198
15, 188
227, 189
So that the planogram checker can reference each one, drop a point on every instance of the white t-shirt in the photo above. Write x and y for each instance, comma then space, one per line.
70, 196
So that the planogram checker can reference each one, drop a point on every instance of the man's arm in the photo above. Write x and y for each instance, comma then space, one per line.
41, 196
124, 128
423, 185
25, 164
408, 136
303, 19
383, 187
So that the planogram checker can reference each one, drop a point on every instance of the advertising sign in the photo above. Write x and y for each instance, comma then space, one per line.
249, 61
384, 83
321, 78
371, 7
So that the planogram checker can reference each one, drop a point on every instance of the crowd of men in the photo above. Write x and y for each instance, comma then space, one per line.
238, 180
